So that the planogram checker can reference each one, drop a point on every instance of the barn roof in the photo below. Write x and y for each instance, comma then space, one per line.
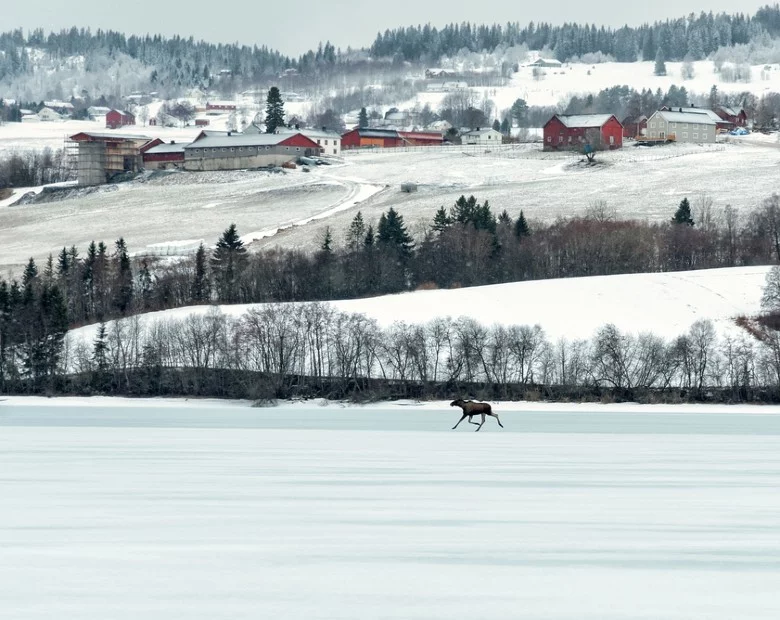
106, 135
166, 148
376, 132
254, 139
731, 111
686, 117
583, 120
700, 111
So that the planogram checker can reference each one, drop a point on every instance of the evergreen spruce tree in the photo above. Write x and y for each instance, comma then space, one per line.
505, 219
200, 285
497, 125
441, 220
48, 270
100, 349
63, 263
506, 127
145, 285
327, 242
227, 263
521, 227
356, 232
123, 274
274, 110
363, 118
30, 273
392, 232
369, 241
683, 214
660, 64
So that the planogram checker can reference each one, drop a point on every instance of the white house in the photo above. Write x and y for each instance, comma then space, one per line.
47, 114
482, 136
681, 127
97, 113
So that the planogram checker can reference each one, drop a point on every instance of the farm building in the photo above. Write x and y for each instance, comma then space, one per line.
328, 141
97, 113
47, 114
681, 127
370, 137
601, 131
547, 63
63, 108
220, 106
103, 155
235, 151
374, 137
736, 116
160, 156
119, 118
719, 122
634, 126
485, 136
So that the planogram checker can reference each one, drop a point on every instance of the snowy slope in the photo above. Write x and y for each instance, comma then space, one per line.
572, 308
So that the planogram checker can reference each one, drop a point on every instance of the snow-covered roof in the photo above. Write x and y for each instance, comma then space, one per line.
102, 135
583, 120
700, 111
731, 111
549, 61
480, 132
310, 133
685, 117
58, 104
166, 148
222, 141
98, 110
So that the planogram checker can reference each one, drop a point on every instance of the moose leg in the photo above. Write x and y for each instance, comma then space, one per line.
459, 421
495, 415
481, 423
472, 422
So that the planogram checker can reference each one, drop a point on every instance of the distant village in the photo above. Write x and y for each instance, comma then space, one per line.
102, 155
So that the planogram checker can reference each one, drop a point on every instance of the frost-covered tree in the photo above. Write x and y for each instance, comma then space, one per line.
660, 64
274, 110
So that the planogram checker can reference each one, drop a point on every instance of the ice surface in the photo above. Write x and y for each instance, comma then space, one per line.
204, 510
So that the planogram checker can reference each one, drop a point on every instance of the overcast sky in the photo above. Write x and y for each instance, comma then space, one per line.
299, 25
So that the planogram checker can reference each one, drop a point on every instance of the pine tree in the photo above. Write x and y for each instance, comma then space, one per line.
100, 349
123, 284
63, 263
327, 242
227, 263
356, 232
683, 214
521, 227
200, 285
497, 125
506, 127
30, 273
505, 219
441, 220
392, 232
370, 239
660, 64
363, 118
274, 110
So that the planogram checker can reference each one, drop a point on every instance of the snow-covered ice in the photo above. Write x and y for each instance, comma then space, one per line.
209, 510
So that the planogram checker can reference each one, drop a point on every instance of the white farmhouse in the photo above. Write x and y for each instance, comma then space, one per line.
681, 127
482, 136
47, 114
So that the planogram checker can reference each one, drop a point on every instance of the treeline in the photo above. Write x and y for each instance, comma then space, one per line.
31, 168
692, 37
465, 245
312, 350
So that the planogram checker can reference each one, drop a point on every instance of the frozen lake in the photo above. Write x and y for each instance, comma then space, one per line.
132, 509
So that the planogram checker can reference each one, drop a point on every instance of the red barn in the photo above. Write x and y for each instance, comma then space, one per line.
119, 118
634, 126
371, 137
736, 116
602, 131
158, 155
224, 106
421, 138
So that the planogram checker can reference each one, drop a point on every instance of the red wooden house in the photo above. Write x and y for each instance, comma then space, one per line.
634, 126
601, 131
119, 118
736, 116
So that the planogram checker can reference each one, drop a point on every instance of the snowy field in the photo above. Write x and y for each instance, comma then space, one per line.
666, 304
636, 182
139, 509
558, 85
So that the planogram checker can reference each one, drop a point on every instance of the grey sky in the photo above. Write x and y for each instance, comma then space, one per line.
301, 24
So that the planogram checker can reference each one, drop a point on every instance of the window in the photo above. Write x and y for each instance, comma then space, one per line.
549, 138
560, 139
685, 135
695, 136
297, 148
674, 125
224, 149
612, 139
267, 148
232, 148
334, 151
318, 141
326, 143
240, 148
685, 126
569, 139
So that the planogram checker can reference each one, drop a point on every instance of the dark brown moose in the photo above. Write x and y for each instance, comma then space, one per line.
471, 408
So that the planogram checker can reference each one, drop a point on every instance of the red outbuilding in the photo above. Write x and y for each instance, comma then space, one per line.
371, 137
736, 116
601, 131
119, 118
421, 138
634, 126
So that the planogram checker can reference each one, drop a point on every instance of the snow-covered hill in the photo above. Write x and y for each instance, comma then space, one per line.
666, 304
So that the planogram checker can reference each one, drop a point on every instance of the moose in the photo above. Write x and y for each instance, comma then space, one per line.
471, 408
